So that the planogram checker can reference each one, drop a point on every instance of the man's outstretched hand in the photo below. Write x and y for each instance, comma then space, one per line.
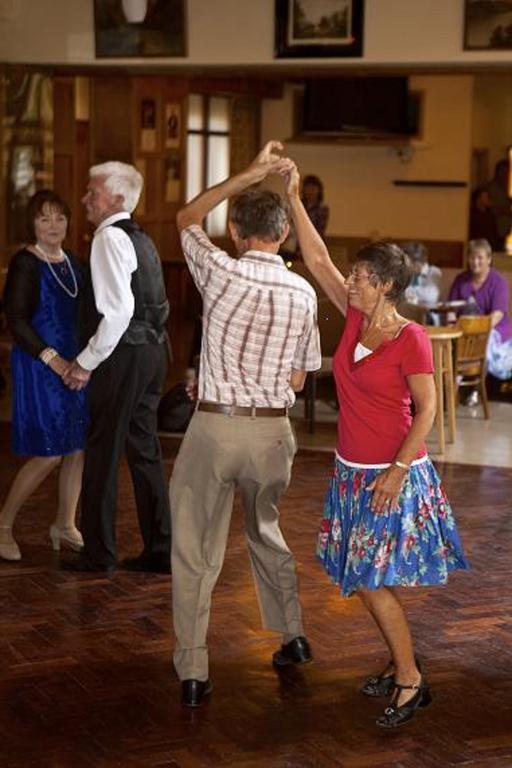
76, 377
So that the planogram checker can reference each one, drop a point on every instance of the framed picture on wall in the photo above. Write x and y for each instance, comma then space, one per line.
173, 179
488, 25
172, 128
148, 123
318, 28
141, 28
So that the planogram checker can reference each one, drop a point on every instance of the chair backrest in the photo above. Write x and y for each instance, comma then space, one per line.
413, 312
472, 345
330, 324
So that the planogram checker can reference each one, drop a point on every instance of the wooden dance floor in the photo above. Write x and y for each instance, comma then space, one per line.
85, 663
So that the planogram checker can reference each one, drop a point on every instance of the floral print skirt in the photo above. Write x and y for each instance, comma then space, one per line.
415, 544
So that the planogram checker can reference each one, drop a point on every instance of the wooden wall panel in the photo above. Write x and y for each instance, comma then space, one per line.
3, 182
111, 119
64, 114
185, 304
159, 149
63, 170
71, 160
171, 241
153, 186
245, 131
80, 227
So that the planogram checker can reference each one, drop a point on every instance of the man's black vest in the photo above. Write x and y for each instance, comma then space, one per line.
147, 325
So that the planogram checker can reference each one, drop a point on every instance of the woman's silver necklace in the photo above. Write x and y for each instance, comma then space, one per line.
65, 258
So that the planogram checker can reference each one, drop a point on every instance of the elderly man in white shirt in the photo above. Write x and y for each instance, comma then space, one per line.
127, 353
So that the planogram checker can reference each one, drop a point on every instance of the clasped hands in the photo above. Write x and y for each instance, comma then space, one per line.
72, 374
267, 161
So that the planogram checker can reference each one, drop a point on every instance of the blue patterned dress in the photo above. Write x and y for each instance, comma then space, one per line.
48, 418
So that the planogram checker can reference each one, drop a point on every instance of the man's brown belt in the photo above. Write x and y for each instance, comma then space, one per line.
241, 410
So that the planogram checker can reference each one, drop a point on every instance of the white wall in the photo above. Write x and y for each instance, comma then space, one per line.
358, 181
235, 32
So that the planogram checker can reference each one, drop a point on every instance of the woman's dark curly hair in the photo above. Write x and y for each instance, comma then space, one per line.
386, 262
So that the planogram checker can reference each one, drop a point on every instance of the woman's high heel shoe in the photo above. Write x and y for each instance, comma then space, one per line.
383, 684
379, 685
9, 550
70, 536
395, 715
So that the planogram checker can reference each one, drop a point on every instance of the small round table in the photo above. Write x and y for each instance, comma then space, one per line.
442, 345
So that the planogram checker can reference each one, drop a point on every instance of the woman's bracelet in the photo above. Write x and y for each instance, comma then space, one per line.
47, 355
401, 464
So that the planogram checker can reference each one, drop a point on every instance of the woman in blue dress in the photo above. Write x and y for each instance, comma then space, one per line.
49, 421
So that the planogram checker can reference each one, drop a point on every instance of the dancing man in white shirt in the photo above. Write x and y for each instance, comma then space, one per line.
127, 355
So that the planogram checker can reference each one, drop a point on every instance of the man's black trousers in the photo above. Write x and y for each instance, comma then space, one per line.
123, 398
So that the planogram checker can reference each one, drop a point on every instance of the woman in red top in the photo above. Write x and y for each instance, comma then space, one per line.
387, 522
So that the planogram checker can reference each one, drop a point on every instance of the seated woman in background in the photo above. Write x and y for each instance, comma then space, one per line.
486, 292
49, 421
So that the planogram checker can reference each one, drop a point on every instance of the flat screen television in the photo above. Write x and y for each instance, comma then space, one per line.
356, 106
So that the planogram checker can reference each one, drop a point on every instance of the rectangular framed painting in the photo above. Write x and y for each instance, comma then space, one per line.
319, 28
140, 28
488, 25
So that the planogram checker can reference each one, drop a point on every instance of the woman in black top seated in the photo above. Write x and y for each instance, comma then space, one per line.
49, 421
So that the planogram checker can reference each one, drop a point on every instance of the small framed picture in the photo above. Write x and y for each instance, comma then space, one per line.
318, 28
173, 178
148, 125
172, 128
488, 25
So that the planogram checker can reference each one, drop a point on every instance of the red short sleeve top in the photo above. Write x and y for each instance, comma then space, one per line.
373, 394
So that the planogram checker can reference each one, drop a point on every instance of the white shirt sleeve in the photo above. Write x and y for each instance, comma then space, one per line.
113, 259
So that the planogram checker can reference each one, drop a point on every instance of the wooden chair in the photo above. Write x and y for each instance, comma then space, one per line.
416, 312
330, 324
470, 355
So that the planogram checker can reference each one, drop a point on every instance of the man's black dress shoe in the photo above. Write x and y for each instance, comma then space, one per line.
295, 652
147, 563
82, 564
194, 691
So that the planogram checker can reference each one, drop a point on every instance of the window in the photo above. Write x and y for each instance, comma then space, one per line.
208, 152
